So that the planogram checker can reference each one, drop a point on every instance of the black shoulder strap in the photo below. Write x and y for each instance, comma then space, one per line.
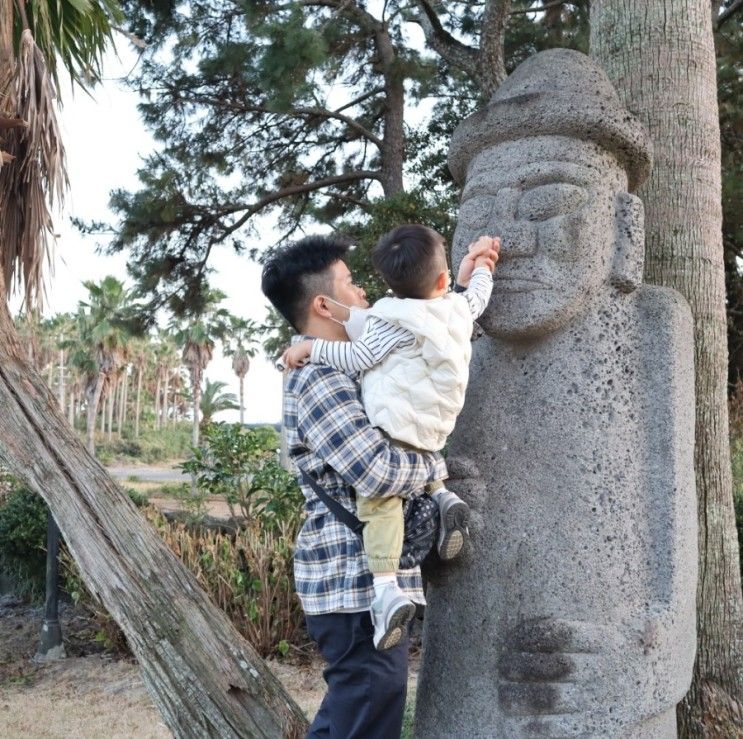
342, 514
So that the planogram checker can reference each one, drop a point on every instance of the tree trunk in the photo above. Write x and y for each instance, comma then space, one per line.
393, 149
206, 680
660, 55
124, 400
242, 399
165, 399
140, 370
93, 399
196, 391
111, 404
61, 389
71, 410
157, 401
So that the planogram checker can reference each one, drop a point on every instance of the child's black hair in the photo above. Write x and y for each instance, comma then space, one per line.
410, 258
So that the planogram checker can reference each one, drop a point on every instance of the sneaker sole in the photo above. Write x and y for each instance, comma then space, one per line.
398, 620
454, 531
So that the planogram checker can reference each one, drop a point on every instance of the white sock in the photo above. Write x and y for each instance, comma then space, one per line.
382, 581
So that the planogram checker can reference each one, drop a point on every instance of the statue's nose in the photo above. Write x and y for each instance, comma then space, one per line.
518, 238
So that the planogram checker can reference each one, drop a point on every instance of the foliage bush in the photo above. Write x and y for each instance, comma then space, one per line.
242, 466
23, 522
248, 575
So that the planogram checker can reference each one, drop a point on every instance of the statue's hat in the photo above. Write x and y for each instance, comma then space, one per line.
556, 92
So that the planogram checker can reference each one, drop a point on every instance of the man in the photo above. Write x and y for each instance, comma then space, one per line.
330, 438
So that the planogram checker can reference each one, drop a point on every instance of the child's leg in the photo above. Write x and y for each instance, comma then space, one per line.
383, 534
454, 516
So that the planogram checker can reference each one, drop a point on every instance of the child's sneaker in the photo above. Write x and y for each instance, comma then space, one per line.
454, 514
391, 611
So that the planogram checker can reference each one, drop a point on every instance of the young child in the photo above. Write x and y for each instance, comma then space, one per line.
414, 352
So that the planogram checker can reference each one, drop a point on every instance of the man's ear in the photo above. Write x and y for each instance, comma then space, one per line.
629, 243
319, 307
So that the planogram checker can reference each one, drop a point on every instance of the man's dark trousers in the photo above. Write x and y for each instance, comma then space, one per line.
366, 688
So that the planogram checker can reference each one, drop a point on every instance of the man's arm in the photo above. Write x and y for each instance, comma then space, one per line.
378, 340
331, 422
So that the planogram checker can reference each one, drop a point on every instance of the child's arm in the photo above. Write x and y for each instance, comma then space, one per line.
481, 259
377, 341
479, 291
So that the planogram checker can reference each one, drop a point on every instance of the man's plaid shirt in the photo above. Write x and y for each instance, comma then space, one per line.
331, 439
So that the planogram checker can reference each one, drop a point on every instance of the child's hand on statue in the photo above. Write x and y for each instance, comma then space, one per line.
489, 258
297, 354
480, 253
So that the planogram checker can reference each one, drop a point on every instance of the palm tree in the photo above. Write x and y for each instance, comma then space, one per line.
198, 337
90, 508
214, 401
105, 326
242, 345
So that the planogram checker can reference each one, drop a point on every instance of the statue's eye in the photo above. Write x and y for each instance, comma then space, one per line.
476, 212
548, 201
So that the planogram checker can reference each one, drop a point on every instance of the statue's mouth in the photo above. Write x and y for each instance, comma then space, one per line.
506, 283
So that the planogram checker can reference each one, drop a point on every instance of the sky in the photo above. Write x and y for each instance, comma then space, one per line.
105, 141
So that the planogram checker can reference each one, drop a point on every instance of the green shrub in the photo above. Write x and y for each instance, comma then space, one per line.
23, 523
241, 465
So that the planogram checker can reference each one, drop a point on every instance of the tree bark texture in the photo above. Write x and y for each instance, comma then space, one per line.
206, 680
660, 56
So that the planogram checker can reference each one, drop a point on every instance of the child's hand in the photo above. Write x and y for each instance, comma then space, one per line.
481, 253
489, 259
297, 354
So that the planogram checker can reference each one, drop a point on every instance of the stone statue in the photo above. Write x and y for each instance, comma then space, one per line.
572, 614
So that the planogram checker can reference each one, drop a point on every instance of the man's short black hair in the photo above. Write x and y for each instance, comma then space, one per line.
410, 258
298, 272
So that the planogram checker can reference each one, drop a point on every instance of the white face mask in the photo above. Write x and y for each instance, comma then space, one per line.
354, 324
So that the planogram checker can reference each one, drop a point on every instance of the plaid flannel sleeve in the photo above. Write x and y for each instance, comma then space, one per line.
333, 425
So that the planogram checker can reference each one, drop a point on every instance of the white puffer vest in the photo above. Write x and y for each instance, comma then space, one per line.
416, 393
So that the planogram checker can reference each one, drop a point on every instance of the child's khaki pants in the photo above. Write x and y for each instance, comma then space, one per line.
384, 530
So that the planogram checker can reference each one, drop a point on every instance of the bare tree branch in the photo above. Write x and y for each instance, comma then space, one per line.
450, 49
728, 13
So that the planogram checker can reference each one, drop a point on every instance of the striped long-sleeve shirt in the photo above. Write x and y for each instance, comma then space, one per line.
380, 338
329, 437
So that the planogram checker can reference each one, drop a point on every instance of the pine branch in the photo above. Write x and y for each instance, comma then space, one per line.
251, 210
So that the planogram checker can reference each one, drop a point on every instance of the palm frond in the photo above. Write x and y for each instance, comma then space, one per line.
36, 179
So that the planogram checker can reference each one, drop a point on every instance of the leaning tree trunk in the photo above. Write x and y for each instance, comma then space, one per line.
206, 680
660, 55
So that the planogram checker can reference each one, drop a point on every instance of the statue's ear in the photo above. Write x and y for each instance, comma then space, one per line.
629, 243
